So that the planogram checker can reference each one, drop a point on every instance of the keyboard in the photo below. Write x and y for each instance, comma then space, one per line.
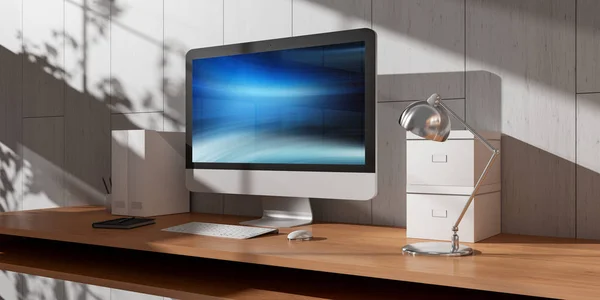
221, 230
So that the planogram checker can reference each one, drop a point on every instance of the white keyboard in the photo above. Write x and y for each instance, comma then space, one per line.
220, 230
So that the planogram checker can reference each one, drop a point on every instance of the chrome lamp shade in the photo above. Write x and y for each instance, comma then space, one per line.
430, 120
426, 120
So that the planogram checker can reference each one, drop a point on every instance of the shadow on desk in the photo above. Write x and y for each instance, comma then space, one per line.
189, 277
526, 239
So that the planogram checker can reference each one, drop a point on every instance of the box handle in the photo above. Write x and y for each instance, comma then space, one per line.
439, 213
439, 158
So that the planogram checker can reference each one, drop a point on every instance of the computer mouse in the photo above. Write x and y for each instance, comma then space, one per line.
303, 235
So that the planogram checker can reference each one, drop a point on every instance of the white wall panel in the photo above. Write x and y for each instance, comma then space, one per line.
530, 46
256, 20
38, 287
136, 63
87, 105
188, 24
128, 295
588, 46
43, 163
148, 121
82, 291
588, 166
318, 16
11, 92
43, 42
421, 37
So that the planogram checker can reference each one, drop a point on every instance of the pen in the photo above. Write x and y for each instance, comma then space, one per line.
105, 186
125, 220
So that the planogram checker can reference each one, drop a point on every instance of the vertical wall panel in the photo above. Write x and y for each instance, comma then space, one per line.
10, 20
538, 191
412, 87
87, 109
422, 37
588, 166
588, 46
310, 17
530, 46
136, 35
206, 203
11, 92
250, 21
81, 291
484, 101
148, 121
43, 162
420, 51
389, 206
242, 205
256, 20
588, 110
127, 295
43, 43
10, 287
588, 203
38, 287
189, 24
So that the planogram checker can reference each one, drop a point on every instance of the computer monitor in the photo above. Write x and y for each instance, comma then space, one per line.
289, 119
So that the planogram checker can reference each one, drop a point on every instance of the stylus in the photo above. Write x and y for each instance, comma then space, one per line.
125, 220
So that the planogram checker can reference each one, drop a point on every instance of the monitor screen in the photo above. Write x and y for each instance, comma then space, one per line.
302, 106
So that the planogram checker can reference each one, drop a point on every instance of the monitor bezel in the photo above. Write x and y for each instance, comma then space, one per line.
365, 35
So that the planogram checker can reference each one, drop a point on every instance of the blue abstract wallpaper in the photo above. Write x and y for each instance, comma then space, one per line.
297, 106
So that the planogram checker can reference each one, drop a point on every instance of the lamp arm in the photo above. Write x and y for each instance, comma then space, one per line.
495, 153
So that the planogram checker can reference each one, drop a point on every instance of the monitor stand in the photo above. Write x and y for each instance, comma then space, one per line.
281, 212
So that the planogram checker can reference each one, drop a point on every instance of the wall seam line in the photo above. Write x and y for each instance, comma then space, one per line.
64, 100
465, 57
376, 102
576, 124
22, 102
163, 65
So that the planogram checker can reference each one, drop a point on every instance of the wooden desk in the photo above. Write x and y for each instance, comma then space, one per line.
548, 267
185, 277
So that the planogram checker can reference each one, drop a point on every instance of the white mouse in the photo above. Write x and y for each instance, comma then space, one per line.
304, 235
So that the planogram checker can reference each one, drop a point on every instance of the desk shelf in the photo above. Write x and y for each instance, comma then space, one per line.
537, 266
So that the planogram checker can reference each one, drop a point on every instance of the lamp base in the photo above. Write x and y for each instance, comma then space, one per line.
436, 249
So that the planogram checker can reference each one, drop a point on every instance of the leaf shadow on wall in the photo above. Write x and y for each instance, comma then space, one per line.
66, 169
89, 103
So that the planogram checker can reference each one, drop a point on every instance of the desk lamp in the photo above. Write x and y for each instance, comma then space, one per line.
429, 119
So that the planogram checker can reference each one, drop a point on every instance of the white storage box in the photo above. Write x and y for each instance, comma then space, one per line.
450, 167
432, 216
148, 173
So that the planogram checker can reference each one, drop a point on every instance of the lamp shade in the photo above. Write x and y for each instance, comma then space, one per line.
427, 120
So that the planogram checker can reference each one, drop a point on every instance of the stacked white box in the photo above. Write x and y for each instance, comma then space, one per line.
440, 178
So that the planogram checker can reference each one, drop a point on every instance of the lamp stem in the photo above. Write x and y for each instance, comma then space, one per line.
495, 153
476, 189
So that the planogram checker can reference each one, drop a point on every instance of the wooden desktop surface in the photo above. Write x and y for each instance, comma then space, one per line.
537, 266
